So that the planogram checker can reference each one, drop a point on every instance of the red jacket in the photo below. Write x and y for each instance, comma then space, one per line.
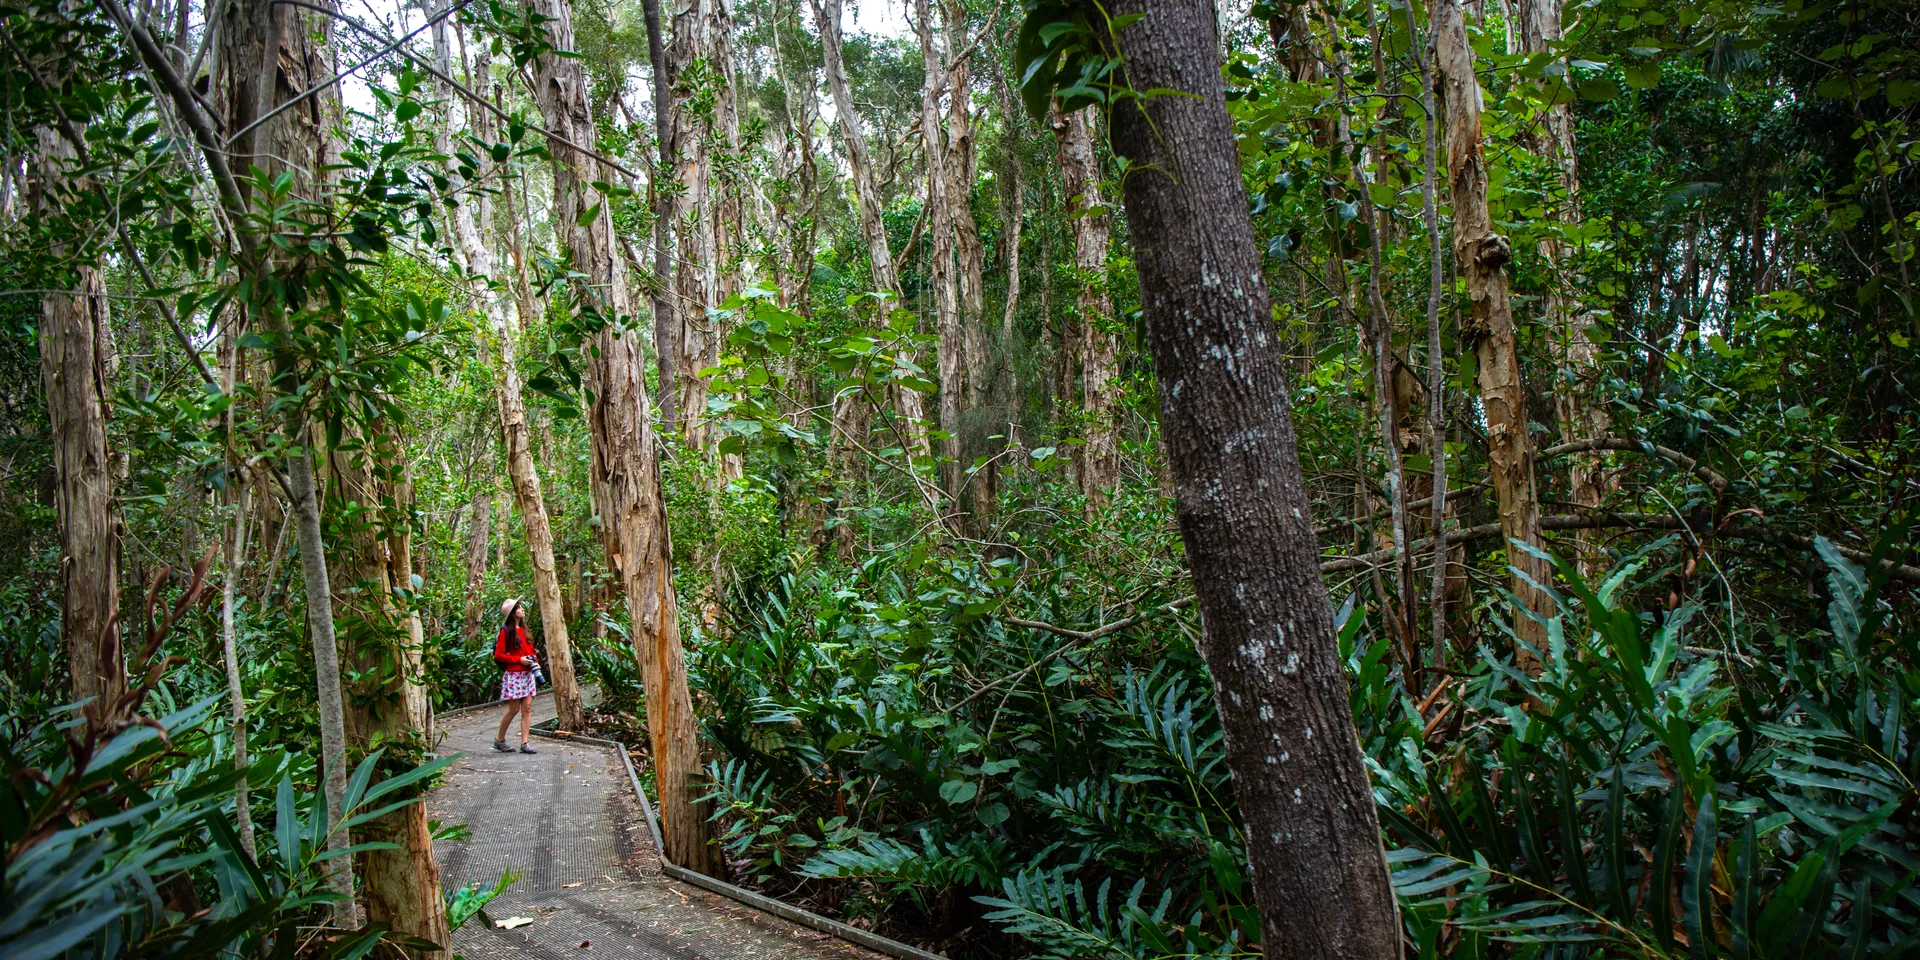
508, 654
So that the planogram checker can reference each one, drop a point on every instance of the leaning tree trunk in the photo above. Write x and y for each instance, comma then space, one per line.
1320, 878
625, 467
1482, 256
1099, 356
518, 441
76, 368
873, 229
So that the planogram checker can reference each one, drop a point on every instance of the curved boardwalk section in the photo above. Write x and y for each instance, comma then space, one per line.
566, 821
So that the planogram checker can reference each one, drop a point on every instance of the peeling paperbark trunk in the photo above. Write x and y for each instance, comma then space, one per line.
940, 236
625, 470
518, 445
970, 255
480, 518
1482, 256
1099, 459
873, 228
1320, 878
76, 369
695, 347
401, 886
666, 319
1575, 354
970, 251
1015, 217
268, 54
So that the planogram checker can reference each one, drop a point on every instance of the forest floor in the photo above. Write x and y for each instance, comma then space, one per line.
565, 819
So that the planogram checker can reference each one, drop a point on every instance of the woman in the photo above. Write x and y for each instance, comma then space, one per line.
514, 653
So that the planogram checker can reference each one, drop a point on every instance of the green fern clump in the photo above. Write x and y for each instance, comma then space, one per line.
1647, 796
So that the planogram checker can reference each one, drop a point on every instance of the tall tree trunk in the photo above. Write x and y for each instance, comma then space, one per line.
1482, 256
625, 468
400, 885
693, 222
970, 250
873, 228
1014, 221
269, 55
1394, 394
235, 544
480, 515
970, 266
1436, 355
666, 321
76, 368
1575, 353
1320, 877
518, 445
941, 270
1099, 459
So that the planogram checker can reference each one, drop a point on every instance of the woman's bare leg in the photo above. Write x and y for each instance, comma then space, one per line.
506, 720
526, 717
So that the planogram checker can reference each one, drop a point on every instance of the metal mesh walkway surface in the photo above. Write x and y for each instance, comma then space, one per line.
565, 819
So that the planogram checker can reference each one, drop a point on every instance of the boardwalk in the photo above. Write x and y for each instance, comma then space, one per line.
566, 820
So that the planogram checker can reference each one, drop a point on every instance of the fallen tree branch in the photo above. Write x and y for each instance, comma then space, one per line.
1712, 479
1075, 638
1601, 520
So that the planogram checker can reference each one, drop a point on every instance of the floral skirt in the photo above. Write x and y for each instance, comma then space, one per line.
516, 684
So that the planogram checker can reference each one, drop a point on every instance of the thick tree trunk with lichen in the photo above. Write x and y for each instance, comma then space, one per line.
76, 369
625, 467
1482, 256
1320, 878
1098, 354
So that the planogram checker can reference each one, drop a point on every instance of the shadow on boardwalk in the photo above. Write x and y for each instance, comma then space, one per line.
565, 819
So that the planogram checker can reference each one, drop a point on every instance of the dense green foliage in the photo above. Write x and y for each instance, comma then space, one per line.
997, 737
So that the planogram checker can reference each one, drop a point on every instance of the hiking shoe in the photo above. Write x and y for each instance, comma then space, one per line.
501, 745
527, 748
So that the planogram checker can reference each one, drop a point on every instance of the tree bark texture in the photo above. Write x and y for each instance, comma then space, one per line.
400, 887
1099, 459
1482, 256
873, 228
695, 347
76, 369
625, 469
479, 520
268, 55
942, 273
1015, 220
1320, 878
1575, 354
666, 319
517, 443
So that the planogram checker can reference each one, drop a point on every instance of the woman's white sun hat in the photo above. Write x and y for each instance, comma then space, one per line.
507, 606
